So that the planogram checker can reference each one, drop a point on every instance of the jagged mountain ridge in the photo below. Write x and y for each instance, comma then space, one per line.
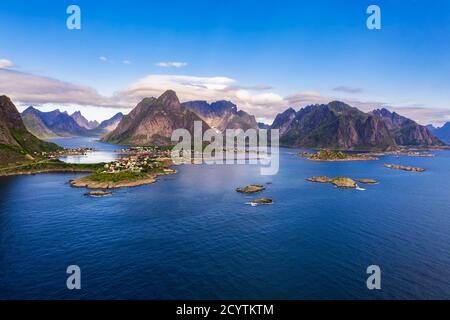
222, 115
335, 125
107, 126
339, 126
406, 132
83, 122
442, 133
57, 122
153, 120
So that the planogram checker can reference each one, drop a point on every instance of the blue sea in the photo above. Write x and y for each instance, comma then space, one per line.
192, 236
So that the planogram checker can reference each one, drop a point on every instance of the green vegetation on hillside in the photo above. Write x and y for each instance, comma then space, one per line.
29, 148
37, 127
32, 144
50, 166
117, 177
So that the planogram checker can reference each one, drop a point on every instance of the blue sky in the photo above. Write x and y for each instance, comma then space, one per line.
263, 55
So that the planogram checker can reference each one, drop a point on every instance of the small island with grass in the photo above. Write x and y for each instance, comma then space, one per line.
126, 172
342, 182
252, 188
331, 156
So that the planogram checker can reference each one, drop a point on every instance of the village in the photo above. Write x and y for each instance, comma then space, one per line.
65, 152
140, 159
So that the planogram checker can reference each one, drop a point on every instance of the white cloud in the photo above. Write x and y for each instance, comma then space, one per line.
260, 101
126, 62
33, 89
348, 89
263, 104
5, 64
174, 64
102, 58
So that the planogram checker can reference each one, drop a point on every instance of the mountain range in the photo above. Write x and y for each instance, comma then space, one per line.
108, 125
83, 122
222, 115
442, 133
406, 132
337, 125
153, 120
54, 124
16, 142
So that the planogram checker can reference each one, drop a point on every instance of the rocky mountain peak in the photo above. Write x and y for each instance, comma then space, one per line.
169, 99
9, 114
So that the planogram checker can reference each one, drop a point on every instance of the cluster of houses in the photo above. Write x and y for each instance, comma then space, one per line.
132, 164
65, 152
147, 151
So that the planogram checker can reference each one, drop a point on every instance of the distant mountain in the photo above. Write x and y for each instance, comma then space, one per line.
442, 133
16, 142
108, 126
284, 120
83, 122
262, 125
335, 125
53, 122
406, 132
153, 120
222, 115
36, 126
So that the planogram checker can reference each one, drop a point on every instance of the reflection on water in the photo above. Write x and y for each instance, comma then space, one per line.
92, 157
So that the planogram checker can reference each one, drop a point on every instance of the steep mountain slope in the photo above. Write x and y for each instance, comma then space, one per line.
153, 120
443, 133
335, 125
406, 132
83, 122
60, 123
222, 115
16, 142
284, 120
108, 125
36, 126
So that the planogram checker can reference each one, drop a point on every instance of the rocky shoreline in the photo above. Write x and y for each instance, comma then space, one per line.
86, 182
98, 193
40, 171
252, 188
341, 182
404, 168
48, 166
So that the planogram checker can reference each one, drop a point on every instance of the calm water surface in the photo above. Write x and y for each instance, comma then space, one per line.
191, 236
104, 152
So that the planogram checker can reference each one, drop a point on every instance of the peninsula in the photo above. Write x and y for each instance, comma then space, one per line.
136, 170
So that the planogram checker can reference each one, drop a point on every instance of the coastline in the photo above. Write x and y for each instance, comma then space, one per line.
85, 182
49, 166
42, 171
